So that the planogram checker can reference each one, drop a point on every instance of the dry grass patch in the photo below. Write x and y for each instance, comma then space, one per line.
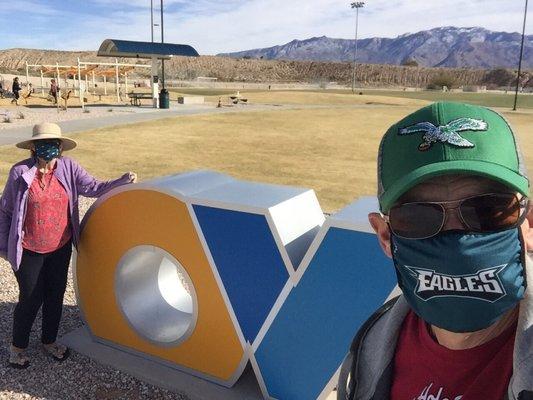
330, 150
318, 98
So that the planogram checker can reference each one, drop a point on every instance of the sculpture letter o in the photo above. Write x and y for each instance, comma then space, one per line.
144, 219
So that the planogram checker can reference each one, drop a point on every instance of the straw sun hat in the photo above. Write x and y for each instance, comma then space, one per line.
47, 131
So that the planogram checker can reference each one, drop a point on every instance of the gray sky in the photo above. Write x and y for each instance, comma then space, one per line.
213, 26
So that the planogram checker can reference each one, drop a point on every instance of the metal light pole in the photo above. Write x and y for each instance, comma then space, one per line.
152, 18
520, 59
162, 41
357, 5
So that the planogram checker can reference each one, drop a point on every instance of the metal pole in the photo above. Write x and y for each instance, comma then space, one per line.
162, 30
152, 18
58, 98
520, 59
42, 84
27, 74
357, 5
117, 81
162, 41
80, 91
355, 51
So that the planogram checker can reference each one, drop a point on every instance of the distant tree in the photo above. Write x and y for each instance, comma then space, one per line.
247, 58
499, 77
190, 74
410, 62
527, 79
321, 82
441, 80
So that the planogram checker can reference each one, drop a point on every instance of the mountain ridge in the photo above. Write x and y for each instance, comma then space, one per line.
447, 46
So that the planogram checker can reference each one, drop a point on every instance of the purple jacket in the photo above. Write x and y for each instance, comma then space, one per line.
74, 179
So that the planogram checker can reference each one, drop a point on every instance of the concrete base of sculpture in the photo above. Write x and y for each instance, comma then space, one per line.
160, 375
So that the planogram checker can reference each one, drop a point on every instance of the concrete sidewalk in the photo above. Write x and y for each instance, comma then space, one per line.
160, 375
246, 388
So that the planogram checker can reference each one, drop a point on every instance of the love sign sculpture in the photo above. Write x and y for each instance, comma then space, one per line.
206, 273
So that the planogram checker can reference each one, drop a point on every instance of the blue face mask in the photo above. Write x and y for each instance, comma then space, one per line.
47, 150
461, 282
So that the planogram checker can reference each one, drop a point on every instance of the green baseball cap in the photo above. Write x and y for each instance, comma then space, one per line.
448, 138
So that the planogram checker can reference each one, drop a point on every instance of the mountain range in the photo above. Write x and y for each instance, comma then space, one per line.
439, 47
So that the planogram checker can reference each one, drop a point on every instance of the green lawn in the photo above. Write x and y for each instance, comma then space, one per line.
207, 91
485, 99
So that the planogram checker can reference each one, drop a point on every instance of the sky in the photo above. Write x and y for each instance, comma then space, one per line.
214, 26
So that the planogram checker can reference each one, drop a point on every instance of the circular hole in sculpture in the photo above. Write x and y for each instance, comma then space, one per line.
156, 295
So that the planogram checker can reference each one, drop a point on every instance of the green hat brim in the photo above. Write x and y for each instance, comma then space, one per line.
471, 167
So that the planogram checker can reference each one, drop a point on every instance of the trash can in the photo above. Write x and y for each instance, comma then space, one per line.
164, 100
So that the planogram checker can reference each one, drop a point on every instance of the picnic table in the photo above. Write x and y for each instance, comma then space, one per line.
235, 99
136, 97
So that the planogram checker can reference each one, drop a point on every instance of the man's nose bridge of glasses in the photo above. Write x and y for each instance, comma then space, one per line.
452, 208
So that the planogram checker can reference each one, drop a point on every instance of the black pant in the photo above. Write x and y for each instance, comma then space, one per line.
42, 280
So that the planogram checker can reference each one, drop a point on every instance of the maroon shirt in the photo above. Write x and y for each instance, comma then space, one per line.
46, 226
425, 370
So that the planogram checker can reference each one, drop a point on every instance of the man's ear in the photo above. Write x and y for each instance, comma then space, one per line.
381, 228
527, 230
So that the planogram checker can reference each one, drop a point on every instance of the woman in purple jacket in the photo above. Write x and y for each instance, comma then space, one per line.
39, 223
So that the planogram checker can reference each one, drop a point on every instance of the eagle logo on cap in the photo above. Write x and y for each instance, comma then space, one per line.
448, 133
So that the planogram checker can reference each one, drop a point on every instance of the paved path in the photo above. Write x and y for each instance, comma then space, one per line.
126, 116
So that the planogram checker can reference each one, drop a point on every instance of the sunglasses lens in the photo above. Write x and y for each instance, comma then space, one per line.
491, 212
416, 220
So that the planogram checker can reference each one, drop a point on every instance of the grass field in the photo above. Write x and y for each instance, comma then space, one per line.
330, 149
486, 99
500, 100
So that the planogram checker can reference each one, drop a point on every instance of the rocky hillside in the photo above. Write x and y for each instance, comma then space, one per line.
439, 47
15, 59
252, 70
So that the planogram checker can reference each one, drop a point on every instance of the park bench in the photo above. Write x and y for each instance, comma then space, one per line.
136, 97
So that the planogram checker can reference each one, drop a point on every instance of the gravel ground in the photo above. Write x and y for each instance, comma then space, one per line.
78, 377
34, 116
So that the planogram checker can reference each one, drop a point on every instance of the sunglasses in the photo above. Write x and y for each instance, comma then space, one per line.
489, 212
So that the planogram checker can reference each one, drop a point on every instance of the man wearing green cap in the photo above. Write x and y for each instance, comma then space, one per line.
457, 222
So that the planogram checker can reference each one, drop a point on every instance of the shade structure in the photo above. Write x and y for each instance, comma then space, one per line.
132, 49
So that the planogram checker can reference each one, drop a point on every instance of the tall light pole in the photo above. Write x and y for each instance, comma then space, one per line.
162, 41
357, 5
152, 19
520, 59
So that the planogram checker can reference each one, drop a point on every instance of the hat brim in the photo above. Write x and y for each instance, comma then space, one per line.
470, 167
68, 143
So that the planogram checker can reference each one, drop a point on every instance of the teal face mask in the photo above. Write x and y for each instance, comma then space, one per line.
47, 149
461, 282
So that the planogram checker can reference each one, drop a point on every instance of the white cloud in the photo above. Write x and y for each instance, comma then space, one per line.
21, 8
214, 26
